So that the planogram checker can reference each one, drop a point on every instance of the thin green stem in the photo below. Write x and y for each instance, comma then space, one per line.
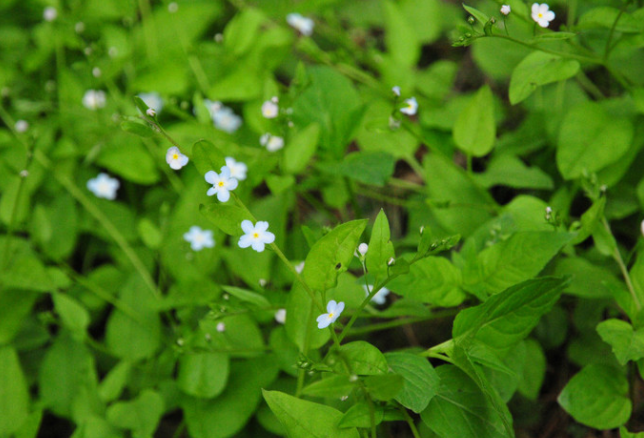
410, 422
617, 256
400, 322
611, 33
589, 85
581, 58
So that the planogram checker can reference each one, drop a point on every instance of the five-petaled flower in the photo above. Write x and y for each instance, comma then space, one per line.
103, 186
237, 169
542, 14
271, 142
411, 106
198, 238
257, 236
270, 109
380, 297
505, 9
94, 99
222, 183
333, 310
223, 117
301, 24
175, 158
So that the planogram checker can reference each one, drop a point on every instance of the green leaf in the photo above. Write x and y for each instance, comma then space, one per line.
300, 324
400, 38
534, 370
627, 344
140, 415
226, 415
421, 382
14, 392
366, 167
137, 128
552, 36
203, 375
114, 382
135, 336
248, 296
384, 387
607, 18
332, 254
590, 139
588, 280
150, 233
73, 315
362, 358
508, 170
597, 396
480, 16
433, 280
537, 69
624, 433
512, 261
475, 128
359, 415
15, 306
227, 217
242, 31
140, 104
335, 386
26, 272
461, 409
279, 184
30, 426
305, 419
589, 220
127, 157
380, 249
508, 317
429, 245
301, 148
206, 156
331, 101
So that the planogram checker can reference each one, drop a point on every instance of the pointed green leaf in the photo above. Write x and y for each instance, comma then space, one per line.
359, 415
335, 386
480, 16
475, 128
537, 69
627, 344
227, 217
203, 375
14, 393
380, 249
300, 149
141, 415
384, 387
206, 156
362, 358
420, 380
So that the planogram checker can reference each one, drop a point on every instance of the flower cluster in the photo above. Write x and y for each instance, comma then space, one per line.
223, 117
271, 142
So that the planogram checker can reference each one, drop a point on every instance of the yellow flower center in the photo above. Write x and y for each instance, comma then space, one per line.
330, 315
220, 183
255, 235
175, 156
540, 15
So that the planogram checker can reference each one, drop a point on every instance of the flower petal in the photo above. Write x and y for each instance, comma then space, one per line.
231, 184
211, 191
331, 305
261, 226
211, 176
323, 321
268, 237
245, 241
247, 226
223, 194
258, 245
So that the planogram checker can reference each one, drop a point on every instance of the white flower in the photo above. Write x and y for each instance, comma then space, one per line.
299, 267
152, 100
273, 143
96, 72
94, 99
270, 109
151, 112
256, 235
21, 126
198, 238
103, 186
112, 52
262, 282
221, 327
363, 248
175, 158
542, 14
505, 9
301, 24
333, 310
50, 13
411, 108
396, 90
237, 169
380, 297
280, 316
225, 119
222, 183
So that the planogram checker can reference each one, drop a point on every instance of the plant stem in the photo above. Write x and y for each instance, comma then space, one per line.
410, 422
622, 267
400, 322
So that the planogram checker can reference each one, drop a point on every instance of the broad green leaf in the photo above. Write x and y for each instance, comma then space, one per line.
637, 276
150, 233
331, 101
539, 69
607, 18
460, 409
115, 381
335, 386
305, 419
433, 280
226, 415
95, 426
508, 317
248, 296
206, 156
26, 272
203, 374
590, 139
428, 245
242, 83
301, 148
125, 156
141, 128
332, 254
73, 315
508, 170
227, 217
31, 426
134, 336
624, 433
588, 280
366, 167
534, 370
242, 31
141, 415
421, 382
384, 387
15, 306
359, 415
376, 136
300, 324
512, 261
66, 371
380, 249
597, 396
475, 128
361, 358
14, 392
627, 344
400, 38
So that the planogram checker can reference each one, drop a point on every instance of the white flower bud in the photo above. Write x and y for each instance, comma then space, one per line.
21, 126
505, 9
363, 248
151, 112
221, 327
